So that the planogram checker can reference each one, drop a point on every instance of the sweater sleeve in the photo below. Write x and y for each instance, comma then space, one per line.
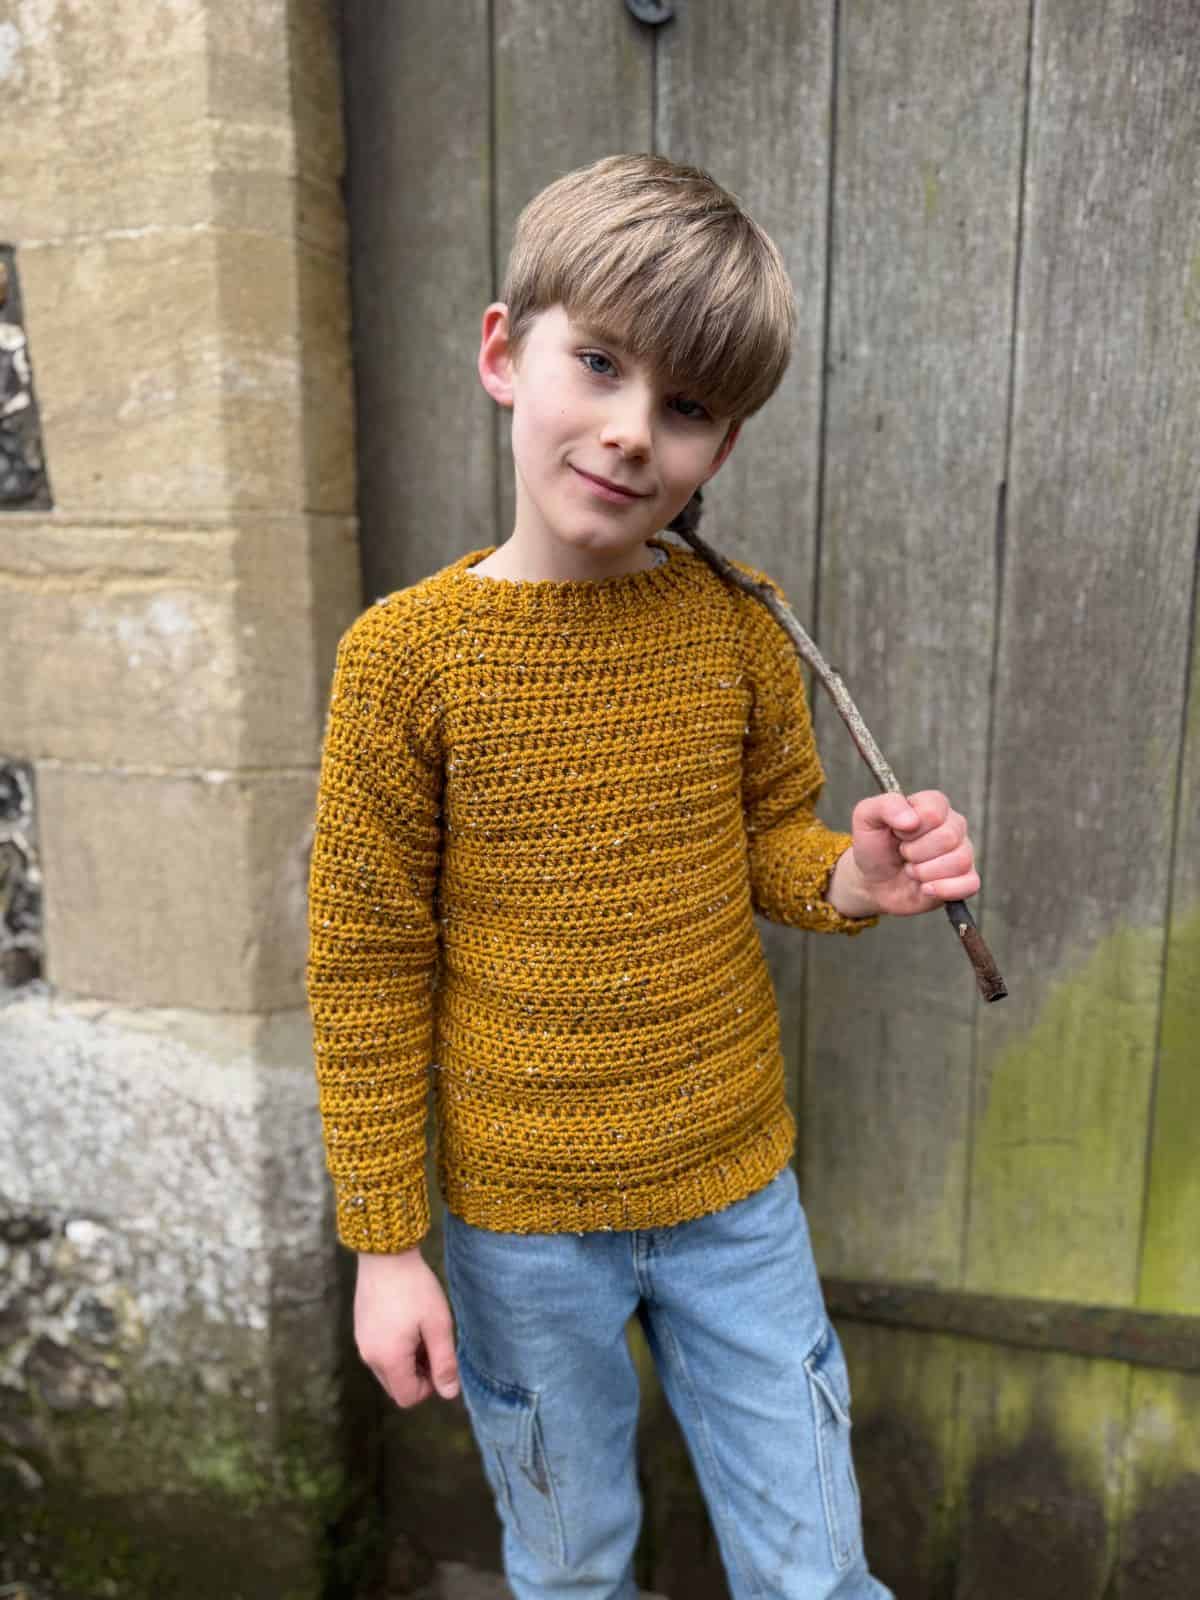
791, 852
373, 938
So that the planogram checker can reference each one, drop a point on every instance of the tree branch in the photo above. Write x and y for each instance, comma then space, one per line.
987, 974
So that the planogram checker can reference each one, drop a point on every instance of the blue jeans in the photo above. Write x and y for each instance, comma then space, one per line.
748, 1359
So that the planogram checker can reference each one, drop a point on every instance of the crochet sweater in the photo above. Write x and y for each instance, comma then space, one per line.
547, 814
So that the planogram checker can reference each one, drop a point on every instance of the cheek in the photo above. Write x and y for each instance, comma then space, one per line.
536, 428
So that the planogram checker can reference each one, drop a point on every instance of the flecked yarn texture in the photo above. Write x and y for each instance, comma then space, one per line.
547, 814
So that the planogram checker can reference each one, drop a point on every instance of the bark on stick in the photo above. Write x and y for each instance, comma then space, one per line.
987, 974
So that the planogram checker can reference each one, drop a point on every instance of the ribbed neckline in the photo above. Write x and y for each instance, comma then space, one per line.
551, 598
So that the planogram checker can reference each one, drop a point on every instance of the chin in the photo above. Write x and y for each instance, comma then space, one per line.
603, 539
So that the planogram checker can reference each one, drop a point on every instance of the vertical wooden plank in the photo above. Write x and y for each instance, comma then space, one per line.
1041, 1445
904, 1389
1170, 1267
743, 91
1105, 485
418, 141
418, 149
572, 84
1104, 488
1160, 1532
928, 145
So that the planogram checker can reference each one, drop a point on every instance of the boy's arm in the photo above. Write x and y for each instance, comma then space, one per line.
792, 854
373, 937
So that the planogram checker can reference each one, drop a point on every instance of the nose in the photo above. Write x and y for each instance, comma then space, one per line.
628, 421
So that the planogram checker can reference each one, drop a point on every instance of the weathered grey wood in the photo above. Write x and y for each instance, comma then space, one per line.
572, 84
1105, 484
744, 92
418, 136
1039, 1498
1160, 1531
928, 142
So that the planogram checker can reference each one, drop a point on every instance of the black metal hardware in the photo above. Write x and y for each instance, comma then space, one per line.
651, 11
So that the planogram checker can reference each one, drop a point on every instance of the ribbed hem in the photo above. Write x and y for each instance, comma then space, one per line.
711, 1185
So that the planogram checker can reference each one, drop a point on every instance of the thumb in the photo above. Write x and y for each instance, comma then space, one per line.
439, 1351
887, 811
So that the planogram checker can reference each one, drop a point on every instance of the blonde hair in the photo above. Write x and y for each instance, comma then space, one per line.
661, 259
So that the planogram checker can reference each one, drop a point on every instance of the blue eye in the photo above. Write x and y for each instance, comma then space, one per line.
690, 410
603, 367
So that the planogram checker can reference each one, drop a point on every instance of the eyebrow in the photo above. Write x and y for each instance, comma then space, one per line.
593, 331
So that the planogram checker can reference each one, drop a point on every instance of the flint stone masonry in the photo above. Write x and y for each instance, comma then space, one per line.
168, 1304
20, 876
22, 467
187, 1141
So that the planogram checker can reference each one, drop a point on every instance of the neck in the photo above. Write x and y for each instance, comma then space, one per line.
530, 561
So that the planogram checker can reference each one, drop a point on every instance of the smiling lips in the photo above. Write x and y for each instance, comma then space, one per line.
608, 490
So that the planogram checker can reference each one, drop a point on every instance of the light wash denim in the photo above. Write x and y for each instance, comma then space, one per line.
748, 1359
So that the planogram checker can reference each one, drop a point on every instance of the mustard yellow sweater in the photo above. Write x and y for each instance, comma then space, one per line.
547, 813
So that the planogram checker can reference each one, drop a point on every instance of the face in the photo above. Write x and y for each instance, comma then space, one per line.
604, 455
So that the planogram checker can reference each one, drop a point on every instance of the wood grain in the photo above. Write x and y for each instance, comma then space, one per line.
744, 92
419, 148
1092, 662
572, 84
928, 142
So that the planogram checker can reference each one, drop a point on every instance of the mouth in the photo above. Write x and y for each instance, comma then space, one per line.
607, 489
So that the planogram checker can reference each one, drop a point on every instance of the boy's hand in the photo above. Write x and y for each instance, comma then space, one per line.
908, 856
403, 1328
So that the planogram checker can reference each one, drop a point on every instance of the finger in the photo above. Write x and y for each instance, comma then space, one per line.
932, 806
402, 1384
398, 1368
438, 1334
961, 888
952, 835
954, 864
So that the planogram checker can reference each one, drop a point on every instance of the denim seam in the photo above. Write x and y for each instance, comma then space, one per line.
532, 1430
823, 1401
672, 1344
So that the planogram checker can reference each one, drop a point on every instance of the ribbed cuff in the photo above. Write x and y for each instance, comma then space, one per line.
385, 1222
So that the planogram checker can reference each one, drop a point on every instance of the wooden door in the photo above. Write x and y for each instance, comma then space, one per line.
980, 485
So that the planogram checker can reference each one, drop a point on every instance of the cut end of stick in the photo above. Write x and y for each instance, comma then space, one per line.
991, 985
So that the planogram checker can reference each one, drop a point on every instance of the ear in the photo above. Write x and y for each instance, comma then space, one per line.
722, 455
495, 363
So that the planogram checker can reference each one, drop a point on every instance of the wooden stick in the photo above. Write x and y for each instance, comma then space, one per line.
987, 974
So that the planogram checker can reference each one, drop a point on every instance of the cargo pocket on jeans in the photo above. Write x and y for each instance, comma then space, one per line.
829, 1386
509, 1434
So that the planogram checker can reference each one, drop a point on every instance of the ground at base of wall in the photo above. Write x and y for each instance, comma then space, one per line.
454, 1581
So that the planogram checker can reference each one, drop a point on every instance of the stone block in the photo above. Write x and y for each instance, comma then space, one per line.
213, 89
185, 890
276, 64
151, 645
192, 370
287, 396
75, 80
170, 1413
127, 354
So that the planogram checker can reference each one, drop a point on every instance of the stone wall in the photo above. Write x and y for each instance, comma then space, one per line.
170, 209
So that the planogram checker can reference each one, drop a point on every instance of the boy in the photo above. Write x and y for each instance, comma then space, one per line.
562, 774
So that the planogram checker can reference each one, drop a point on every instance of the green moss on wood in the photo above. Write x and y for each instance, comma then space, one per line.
1058, 1170
1170, 1277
